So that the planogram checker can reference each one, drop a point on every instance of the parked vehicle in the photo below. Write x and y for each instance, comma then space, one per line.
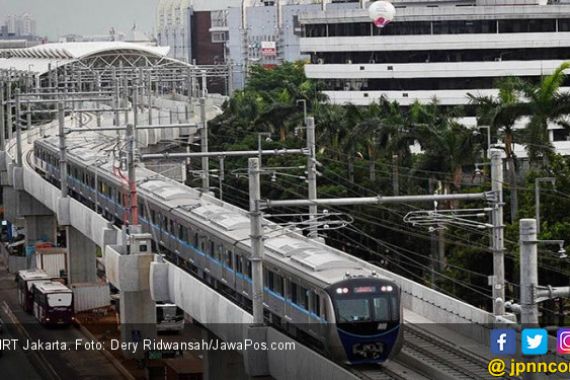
53, 303
25, 279
169, 317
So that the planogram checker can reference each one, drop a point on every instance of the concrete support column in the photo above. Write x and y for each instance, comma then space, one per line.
138, 319
40, 228
220, 364
81, 257
128, 269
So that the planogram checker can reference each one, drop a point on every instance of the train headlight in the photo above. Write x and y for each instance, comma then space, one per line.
341, 290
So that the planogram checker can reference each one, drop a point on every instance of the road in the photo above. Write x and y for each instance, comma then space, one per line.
52, 365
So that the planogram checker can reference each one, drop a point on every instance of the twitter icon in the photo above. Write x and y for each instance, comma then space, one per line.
534, 341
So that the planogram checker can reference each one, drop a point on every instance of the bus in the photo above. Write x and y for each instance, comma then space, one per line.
24, 281
53, 303
169, 317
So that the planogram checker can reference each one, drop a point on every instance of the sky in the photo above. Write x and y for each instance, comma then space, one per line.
85, 17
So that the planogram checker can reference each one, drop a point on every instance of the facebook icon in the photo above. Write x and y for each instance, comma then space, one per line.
503, 342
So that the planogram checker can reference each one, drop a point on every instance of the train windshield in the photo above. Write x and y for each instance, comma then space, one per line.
373, 308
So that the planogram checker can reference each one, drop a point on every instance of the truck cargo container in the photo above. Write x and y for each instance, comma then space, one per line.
52, 261
89, 296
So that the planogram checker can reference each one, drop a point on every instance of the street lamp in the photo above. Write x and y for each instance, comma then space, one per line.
304, 109
537, 182
259, 147
488, 128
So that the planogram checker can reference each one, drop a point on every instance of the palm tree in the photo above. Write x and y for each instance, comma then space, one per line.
280, 113
330, 132
447, 145
363, 134
501, 113
545, 103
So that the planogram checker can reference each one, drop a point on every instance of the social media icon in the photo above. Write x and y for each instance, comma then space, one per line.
563, 341
503, 342
534, 341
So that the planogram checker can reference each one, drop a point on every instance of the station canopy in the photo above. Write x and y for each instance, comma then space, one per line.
96, 56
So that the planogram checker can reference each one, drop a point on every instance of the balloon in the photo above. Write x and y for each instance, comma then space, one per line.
381, 13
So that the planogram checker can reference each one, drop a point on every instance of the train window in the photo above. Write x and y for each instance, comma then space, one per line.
316, 304
141, 210
302, 297
239, 267
352, 310
229, 258
220, 252
381, 309
196, 239
248, 274
152, 216
212, 251
293, 292
276, 283
182, 233
172, 227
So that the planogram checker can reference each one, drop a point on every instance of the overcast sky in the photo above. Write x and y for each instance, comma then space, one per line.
86, 17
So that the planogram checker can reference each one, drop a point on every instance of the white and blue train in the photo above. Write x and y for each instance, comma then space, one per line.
318, 294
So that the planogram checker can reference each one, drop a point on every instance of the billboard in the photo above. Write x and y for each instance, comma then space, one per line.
268, 48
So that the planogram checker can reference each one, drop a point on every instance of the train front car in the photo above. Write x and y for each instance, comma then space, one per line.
368, 317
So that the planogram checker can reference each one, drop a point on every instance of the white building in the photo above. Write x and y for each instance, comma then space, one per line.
171, 19
21, 26
436, 49
431, 50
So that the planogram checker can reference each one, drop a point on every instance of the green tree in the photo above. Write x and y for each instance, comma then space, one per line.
545, 103
447, 145
500, 113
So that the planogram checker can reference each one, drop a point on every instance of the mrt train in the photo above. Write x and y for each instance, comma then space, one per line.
323, 297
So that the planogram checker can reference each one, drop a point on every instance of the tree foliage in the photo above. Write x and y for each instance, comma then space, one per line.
368, 150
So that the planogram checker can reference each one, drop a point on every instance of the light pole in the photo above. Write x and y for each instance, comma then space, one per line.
537, 182
267, 136
304, 109
488, 128
498, 241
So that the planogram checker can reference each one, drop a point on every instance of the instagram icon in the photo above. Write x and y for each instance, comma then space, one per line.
563, 341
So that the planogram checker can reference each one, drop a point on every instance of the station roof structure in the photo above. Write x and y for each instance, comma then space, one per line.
40, 59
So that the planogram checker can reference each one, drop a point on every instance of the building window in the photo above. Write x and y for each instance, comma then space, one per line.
219, 37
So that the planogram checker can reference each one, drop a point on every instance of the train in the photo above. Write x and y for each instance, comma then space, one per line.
317, 294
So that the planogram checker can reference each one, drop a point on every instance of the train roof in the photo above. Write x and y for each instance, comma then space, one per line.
283, 245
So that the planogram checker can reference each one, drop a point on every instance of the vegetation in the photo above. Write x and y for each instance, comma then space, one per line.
366, 151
